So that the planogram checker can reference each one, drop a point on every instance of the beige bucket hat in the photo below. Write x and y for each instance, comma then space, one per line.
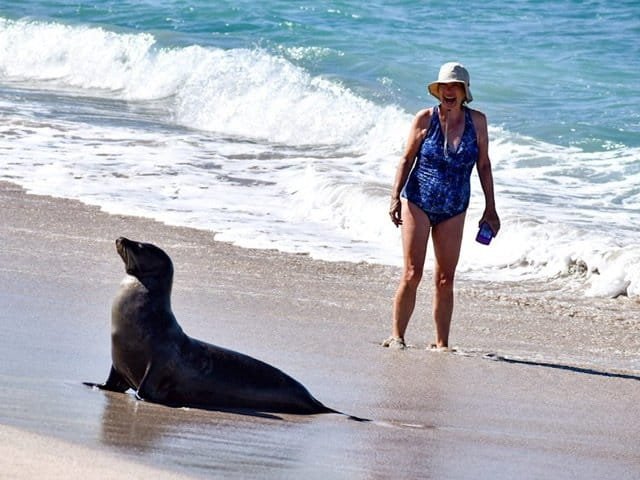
451, 72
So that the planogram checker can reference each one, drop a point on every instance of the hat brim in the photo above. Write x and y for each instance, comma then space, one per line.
432, 88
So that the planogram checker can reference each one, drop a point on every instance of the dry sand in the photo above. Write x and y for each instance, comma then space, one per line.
435, 415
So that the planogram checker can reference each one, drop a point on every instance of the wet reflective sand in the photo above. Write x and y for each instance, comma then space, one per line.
434, 415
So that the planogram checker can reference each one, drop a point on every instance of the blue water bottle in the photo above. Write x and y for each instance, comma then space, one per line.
485, 234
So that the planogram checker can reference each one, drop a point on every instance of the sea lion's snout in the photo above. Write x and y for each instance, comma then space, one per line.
121, 248
119, 244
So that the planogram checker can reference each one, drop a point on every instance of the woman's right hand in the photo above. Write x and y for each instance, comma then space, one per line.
395, 211
417, 133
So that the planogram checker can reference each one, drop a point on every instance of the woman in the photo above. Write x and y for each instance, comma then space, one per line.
430, 195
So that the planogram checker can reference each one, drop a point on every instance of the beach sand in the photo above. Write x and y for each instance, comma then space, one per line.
435, 415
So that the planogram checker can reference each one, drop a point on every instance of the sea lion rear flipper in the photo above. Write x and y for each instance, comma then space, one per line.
115, 382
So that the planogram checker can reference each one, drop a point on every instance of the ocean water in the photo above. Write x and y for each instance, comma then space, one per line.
279, 124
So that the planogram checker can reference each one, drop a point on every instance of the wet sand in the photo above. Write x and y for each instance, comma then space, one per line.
435, 415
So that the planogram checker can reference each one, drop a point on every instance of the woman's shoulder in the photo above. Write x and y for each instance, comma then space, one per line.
476, 113
423, 117
426, 112
478, 117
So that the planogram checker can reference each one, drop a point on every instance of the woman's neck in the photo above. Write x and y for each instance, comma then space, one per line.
452, 114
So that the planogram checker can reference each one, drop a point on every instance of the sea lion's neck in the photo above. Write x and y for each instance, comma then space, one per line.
135, 293
135, 305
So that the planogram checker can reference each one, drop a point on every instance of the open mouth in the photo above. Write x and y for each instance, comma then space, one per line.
449, 100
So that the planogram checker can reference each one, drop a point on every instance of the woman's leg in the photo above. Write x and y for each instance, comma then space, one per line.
415, 234
447, 239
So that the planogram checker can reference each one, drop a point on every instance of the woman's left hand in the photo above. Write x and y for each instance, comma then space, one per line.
490, 217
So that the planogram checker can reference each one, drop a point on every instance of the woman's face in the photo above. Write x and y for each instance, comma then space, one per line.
452, 94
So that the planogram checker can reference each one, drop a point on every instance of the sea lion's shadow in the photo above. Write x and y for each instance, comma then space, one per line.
247, 412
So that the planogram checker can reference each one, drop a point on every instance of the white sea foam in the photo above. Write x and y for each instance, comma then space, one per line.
251, 146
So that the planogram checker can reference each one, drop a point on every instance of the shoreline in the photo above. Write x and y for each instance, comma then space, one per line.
322, 323
603, 326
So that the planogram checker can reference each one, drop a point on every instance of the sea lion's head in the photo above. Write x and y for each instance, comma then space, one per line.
148, 263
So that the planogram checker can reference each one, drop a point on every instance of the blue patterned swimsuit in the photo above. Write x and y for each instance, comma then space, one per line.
440, 184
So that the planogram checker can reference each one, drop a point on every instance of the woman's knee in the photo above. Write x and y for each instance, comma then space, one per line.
444, 281
412, 276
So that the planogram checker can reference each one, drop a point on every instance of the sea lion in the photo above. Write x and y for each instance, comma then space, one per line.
153, 356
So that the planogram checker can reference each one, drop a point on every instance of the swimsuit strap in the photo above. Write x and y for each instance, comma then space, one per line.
467, 117
435, 121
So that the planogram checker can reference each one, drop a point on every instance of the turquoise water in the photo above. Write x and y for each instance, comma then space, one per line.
279, 124
562, 71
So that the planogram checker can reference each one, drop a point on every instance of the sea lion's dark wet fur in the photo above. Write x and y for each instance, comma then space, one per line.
153, 356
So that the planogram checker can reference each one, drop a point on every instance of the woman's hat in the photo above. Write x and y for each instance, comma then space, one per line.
451, 72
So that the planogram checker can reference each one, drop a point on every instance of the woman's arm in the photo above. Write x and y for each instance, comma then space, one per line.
417, 133
483, 167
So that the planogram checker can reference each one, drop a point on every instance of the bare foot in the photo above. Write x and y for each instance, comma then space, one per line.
432, 347
395, 343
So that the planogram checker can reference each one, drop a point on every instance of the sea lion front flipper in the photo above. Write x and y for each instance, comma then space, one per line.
115, 382
148, 389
